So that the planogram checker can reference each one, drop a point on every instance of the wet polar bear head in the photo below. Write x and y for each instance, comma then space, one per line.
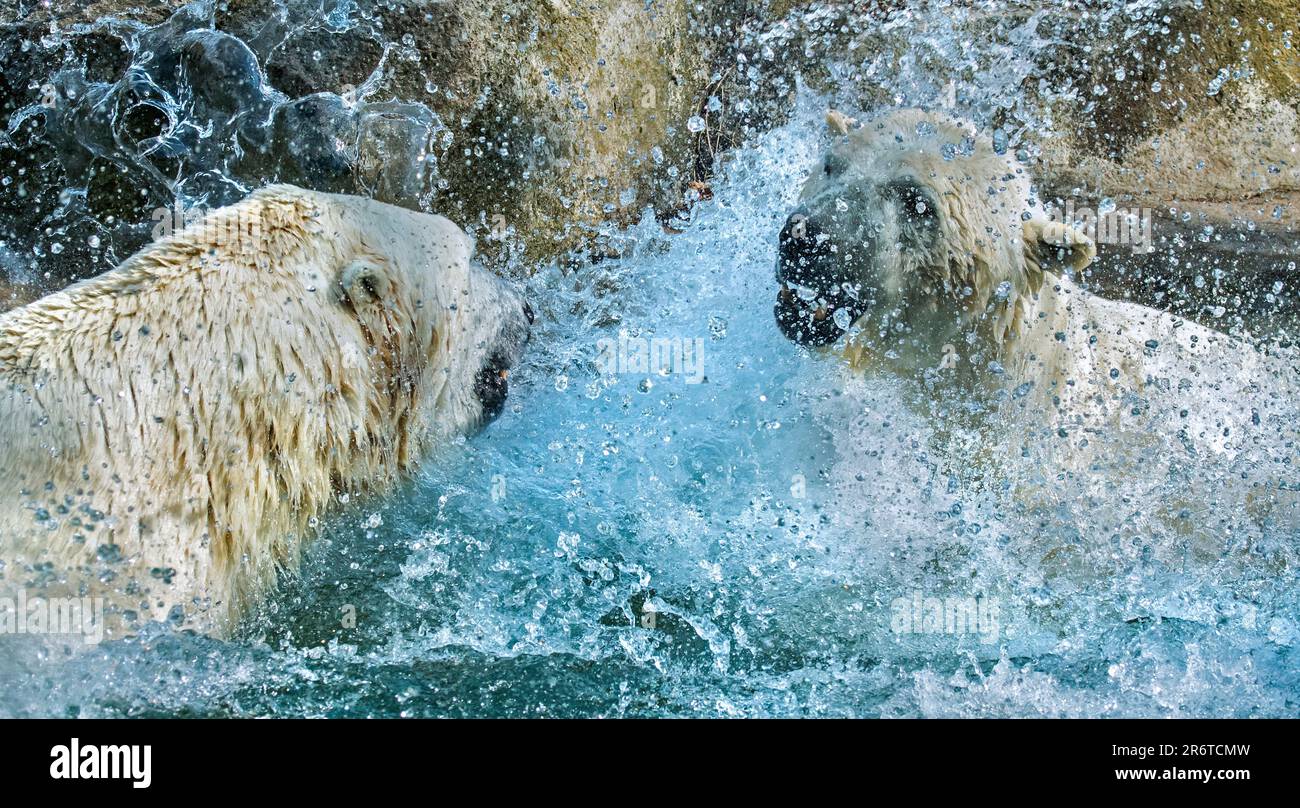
914, 233
173, 427
441, 328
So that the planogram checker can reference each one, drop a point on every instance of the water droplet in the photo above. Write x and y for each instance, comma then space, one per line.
1000, 141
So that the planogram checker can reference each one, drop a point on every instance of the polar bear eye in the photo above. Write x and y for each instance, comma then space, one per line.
915, 203
833, 164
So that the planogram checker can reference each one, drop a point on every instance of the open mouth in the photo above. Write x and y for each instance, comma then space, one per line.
810, 320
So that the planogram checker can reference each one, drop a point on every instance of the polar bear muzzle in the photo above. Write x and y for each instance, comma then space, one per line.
491, 386
814, 304
491, 383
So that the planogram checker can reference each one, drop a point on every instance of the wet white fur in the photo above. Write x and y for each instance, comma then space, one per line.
194, 409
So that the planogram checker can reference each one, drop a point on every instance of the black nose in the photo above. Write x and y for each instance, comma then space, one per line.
491, 387
806, 259
804, 251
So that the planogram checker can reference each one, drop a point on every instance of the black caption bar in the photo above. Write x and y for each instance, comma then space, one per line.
231, 759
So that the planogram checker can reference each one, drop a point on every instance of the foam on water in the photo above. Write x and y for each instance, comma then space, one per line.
634, 544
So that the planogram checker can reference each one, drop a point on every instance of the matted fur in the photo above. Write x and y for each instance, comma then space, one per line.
173, 426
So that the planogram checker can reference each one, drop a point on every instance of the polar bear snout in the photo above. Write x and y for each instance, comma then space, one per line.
491, 383
812, 306
491, 386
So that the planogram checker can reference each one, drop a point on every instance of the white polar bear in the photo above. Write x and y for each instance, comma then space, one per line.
172, 427
924, 250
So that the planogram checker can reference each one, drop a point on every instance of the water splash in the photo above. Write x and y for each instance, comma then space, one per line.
733, 547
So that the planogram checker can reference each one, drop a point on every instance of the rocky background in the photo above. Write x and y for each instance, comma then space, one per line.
532, 124
542, 126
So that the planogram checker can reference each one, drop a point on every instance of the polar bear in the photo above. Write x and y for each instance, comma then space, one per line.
919, 248
173, 427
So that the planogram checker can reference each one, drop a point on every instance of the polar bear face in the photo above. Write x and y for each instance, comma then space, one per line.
426, 310
911, 232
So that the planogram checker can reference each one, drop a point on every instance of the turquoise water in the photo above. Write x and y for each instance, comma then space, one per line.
635, 544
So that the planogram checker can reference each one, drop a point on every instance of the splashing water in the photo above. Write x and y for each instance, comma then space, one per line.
734, 541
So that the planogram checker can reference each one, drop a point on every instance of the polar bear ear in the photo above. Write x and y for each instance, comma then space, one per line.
1053, 246
838, 122
365, 280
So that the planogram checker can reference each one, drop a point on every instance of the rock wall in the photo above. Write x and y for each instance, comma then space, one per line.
532, 124
1190, 102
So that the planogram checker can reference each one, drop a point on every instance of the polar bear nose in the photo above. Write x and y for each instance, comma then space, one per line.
813, 312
